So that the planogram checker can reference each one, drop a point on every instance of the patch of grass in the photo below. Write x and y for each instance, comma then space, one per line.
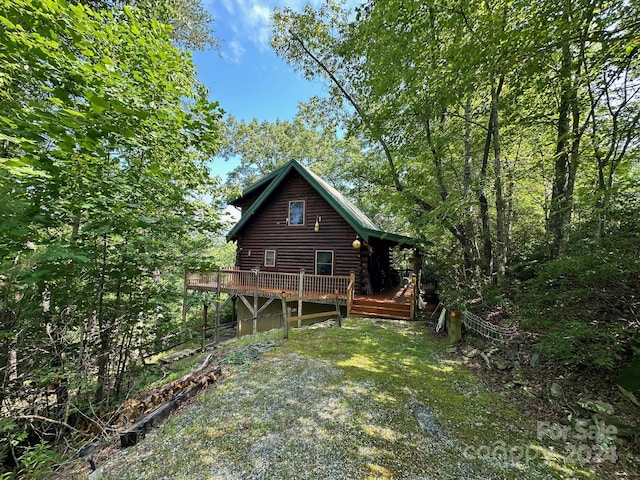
151, 376
341, 403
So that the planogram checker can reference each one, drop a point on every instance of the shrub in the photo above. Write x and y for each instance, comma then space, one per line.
586, 304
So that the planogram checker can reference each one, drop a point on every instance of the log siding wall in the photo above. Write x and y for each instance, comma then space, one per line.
296, 245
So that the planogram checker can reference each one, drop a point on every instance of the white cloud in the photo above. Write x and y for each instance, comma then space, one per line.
257, 18
228, 4
234, 51
249, 21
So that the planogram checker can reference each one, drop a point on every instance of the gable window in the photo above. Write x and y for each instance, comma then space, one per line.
296, 212
324, 262
269, 258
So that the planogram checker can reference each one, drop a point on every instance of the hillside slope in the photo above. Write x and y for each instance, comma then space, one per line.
375, 399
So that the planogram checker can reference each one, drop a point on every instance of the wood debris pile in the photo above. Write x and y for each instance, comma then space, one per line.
143, 412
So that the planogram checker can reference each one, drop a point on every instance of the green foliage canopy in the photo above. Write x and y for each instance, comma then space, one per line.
105, 135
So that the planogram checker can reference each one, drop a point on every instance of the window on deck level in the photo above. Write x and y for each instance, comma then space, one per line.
296, 212
324, 262
269, 258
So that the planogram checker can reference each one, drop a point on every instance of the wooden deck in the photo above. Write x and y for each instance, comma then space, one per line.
321, 288
399, 303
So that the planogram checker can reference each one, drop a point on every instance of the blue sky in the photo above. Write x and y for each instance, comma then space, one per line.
246, 76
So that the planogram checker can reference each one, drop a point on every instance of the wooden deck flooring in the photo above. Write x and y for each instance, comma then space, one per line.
400, 295
394, 304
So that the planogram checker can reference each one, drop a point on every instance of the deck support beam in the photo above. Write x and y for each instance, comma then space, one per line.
266, 304
285, 315
216, 332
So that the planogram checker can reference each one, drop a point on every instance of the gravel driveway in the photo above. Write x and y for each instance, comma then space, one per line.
371, 400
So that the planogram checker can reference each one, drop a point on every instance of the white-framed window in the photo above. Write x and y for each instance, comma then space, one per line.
296, 212
324, 262
269, 258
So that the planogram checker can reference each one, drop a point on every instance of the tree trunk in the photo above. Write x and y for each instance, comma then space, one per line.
459, 231
469, 226
485, 235
500, 257
105, 331
567, 151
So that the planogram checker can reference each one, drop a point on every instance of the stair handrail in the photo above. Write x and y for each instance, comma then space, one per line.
413, 287
350, 292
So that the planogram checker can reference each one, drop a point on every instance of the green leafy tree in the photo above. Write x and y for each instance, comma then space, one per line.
465, 102
311, 138
190, 21
105, 135
413, 102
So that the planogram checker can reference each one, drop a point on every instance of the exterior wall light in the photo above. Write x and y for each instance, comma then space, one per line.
316, 228
356, 244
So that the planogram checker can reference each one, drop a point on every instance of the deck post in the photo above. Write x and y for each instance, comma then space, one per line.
255, 303
205, 313
285, 318
184, 299
300, 294
216, 332
236, 317
339, 315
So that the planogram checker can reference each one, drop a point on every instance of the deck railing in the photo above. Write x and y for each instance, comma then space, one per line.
246, 282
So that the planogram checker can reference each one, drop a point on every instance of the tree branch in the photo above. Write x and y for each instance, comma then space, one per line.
385, 147
47, 419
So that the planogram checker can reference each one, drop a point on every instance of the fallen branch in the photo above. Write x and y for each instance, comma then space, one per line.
49, 420
204, 364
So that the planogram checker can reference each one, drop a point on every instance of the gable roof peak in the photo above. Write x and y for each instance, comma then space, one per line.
355, 217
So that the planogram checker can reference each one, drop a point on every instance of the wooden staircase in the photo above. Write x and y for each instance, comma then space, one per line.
380, 308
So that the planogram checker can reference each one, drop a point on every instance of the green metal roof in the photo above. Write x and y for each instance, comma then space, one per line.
355, 217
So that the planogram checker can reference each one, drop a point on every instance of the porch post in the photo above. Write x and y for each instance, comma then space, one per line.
300, 294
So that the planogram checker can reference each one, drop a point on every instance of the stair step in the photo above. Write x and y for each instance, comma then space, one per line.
385, 311
402, 308
392, 316
379, 304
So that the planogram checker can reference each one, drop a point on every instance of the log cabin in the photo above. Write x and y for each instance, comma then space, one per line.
298, 234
